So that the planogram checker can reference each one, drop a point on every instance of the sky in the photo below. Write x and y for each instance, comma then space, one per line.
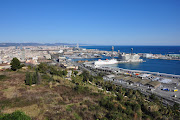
98, 22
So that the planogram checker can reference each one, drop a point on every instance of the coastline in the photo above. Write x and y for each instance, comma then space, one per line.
152, 65
135, 71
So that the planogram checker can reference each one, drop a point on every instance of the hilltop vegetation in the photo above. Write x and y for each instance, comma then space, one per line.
84, 97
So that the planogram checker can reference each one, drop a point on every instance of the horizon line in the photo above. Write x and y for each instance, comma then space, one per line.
80, 44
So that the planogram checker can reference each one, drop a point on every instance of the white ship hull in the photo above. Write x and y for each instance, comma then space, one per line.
106, 62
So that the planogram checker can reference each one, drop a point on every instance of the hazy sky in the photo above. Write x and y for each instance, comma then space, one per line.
103, 22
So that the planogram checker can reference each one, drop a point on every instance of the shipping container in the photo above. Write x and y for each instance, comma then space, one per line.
165, 89
175, 90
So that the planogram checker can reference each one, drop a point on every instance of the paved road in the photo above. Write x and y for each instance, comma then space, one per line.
144, 90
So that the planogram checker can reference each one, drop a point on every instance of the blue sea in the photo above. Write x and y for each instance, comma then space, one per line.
153, 65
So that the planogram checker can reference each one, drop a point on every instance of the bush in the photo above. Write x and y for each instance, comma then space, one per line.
176, 106
81, 89
119, 97
107, 103
154, 98
43, 67
17, 115
85, 75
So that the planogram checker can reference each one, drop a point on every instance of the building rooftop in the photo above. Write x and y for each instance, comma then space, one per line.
144, 81
134, 80
154, 83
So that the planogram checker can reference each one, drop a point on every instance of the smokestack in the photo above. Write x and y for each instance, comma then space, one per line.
131, 50
112, 52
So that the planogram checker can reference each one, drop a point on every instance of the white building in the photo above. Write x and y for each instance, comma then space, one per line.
129, 57
60, 51
0, 61
147, 55
47, 56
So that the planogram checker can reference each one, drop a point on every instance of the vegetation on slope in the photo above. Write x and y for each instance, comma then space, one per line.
17, 115
82, 97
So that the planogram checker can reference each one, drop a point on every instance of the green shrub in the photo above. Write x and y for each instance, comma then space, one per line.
77, 116
81, 89
43, 67
17, 115
107, 102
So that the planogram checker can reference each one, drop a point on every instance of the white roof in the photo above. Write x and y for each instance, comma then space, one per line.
110, 76
144, 75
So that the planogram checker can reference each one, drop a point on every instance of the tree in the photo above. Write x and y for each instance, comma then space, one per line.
75, 72
91, 78
107, 102
85, 75
43, 67
33, 78
30, 80
176, 106
27, 78
33, 75
15, 64
119, 97
60, 73
64, 72
38, 81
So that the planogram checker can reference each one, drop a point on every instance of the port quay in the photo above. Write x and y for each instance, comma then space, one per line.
165, 86
119, 70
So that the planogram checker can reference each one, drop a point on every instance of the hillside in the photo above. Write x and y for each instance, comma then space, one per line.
83, 97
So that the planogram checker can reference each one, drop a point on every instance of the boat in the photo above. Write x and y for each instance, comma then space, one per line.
106, 62
123, 58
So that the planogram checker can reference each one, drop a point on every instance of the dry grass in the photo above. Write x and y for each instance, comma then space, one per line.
60, 101
31, 110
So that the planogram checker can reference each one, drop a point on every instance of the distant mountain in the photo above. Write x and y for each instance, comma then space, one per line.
33, 44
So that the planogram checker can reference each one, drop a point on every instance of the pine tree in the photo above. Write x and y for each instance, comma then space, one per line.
38, 78
30, 80
15, 64
27, 78
75, 72
34, 78
64, 72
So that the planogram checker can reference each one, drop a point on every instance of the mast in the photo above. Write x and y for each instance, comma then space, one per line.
112, 52
131, 50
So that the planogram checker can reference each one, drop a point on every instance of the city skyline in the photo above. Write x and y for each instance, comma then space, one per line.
100, 22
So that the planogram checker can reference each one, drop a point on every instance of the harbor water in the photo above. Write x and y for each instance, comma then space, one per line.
152, 65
